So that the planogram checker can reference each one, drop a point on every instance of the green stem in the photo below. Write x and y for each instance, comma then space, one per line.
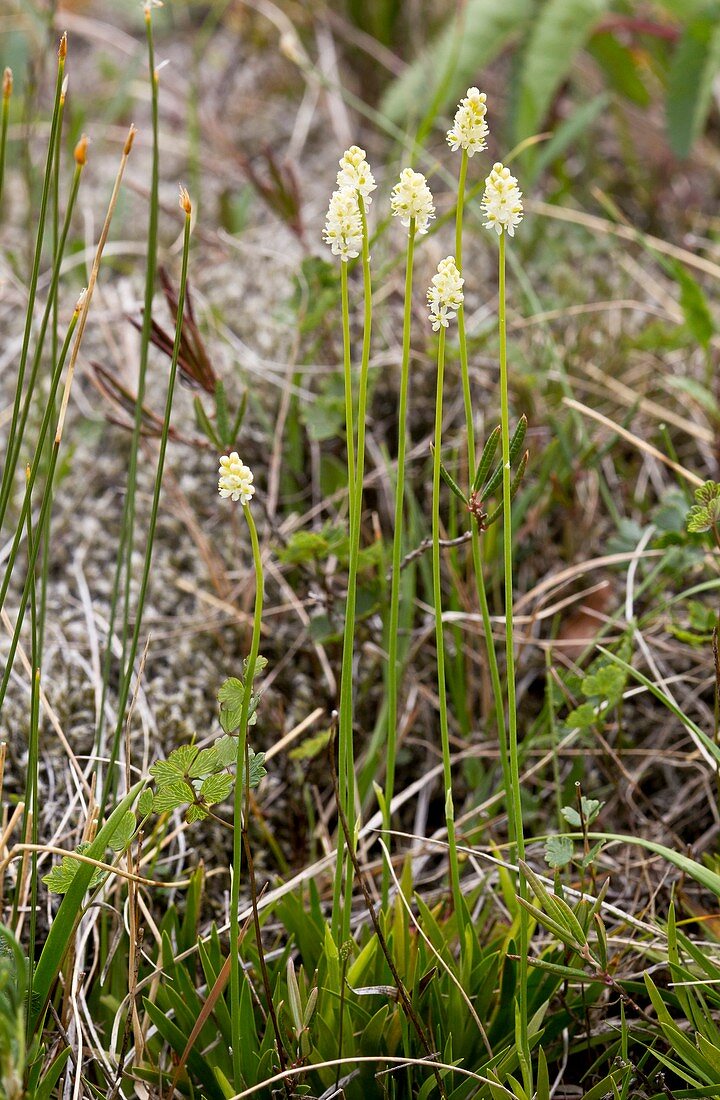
440, 643
475, 533
150, 536
346, 766
124, 557
9, 471
518, 849
394, 672
236, 1029
6, 94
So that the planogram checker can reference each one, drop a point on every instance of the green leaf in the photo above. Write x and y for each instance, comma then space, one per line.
305, 546
623, 67
582, 717
196, 813
452, 484
311, 746
123, 833
705, 513
559, 32
230, 696
698, 318
175, 767
226, 749
257, 769
216, 788
479, 36
486, 458
206, 762
145, 803
689, 91
558, 851
607, 682
172, 795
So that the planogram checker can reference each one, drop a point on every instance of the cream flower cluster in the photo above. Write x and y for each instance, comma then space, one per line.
343, 225
470, 130
355, 172
502, 201
236, 479
412, 198
445, 295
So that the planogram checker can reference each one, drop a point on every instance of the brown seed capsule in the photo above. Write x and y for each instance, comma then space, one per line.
81, 150
475, 508
62, 48
7, 84
129, 140
185, 203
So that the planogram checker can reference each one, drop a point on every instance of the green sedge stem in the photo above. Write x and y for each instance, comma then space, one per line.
475, 532
124, 558
347, 376
394, 672
150, 537
346, 766
9, 471
440, 643
14, 449
49, 409
518, 850
236, 1028
31, 781
6, 94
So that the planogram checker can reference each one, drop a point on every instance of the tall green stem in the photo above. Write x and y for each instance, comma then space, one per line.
393, 673
440, 643
236, 1029
346, 765
495, 681
123, 565
9, 470
518, 850
150, 536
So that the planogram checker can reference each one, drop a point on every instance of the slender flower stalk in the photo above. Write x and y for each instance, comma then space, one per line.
354, 175
462, 127
445, 296
502, 204
9, 467
123, 565
412, 203
124, 694
242, 487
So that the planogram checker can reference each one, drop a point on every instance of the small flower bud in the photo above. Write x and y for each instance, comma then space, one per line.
185, 203
502, 201
7, 84
236, 479
81, 151
63, 90
62, 48
81, 300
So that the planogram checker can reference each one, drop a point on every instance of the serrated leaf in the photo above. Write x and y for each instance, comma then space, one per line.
257, 769
175, 767
607, 682
304, 546
59, 879
206, 762
558, 33
216, 788
311, 746
558, 851
196, 813
689, 91
226, 749
172, 795
582, 717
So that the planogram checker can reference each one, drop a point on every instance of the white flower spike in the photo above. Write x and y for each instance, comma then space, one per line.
343, 225
411, 198
355, 172
236, 479
469, 129
445, 295
502, 201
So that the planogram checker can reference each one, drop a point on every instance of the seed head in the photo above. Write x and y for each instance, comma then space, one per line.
411, 198
355, 173
445, 295
502, 201
343, 225
81, 151
469, 129
62, 48
185, 203
236, 479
